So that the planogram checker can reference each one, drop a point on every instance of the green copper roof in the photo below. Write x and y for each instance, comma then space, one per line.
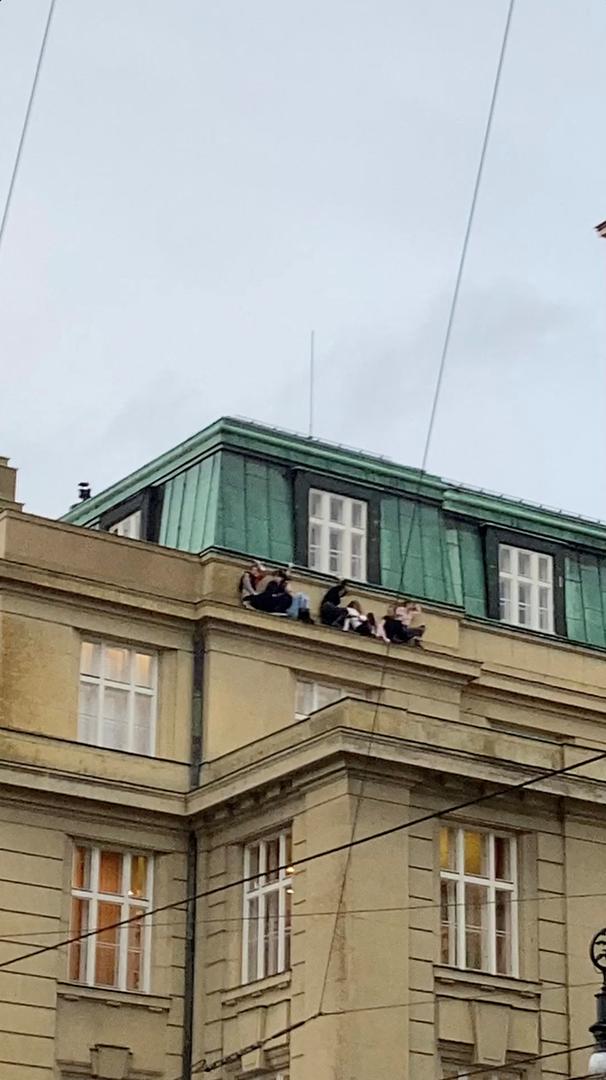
248, 438
233, 486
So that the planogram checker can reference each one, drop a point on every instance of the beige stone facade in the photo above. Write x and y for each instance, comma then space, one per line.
479, 708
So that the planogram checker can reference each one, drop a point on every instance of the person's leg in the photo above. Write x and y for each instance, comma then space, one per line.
299, 606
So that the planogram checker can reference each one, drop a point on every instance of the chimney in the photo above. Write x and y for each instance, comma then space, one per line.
601, 229
8, 486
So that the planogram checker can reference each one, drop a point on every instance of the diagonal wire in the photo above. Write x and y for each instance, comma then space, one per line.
430, 430
433, 815
28, 113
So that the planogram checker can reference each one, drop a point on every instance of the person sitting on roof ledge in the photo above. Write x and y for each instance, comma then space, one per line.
396, 628
277, 598
332, 611
359, 623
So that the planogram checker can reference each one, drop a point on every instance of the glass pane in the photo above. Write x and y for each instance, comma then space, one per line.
314, 546
252, 915
327, 695
90, 658
504, 559
287, 925
475, 927
505, 599
476, 853
355, 568
138, 876
106, 945
144, 670
115, 718
502, 858
335, 543
77, 951
524, 602
270, 945
357, 515
545, 566
544, 607
143, 724
253, 855
336, 510
315, 504
110, 872
116, 664
302, 701
356, 545
447, 848
134, 970
503, 929
81, 868
523, 564
273, 859
448, 895
89, 712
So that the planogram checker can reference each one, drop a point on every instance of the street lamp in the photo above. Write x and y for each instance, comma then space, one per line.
597, 1061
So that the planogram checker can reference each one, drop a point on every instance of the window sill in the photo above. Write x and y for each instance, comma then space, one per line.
73, 991
256, 989
492, 984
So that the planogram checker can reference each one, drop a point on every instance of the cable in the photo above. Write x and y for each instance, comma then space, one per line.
305, 859
9, 938
430, 429
28, 112
205, 1067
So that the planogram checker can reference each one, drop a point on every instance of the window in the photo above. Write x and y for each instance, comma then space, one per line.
267, 906
478, 893
128, 526
107, 887
337, 534
313, 695
117, 697
526, 588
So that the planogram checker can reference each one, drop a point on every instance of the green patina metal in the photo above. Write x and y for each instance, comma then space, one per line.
231, 487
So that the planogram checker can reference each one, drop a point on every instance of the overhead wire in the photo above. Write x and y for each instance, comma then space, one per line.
26, 121
543, 897
430, 429
323, 853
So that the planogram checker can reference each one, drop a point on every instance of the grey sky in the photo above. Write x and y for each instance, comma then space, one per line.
205, 180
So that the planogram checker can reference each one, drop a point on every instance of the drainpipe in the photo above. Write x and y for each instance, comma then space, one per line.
192, 857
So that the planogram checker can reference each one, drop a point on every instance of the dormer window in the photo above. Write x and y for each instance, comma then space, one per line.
129, 526
525, 580
526, 588
337, 534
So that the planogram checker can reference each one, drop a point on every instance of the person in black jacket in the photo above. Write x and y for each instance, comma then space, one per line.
332, 611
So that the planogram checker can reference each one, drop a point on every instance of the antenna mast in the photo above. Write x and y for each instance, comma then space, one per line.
312, 358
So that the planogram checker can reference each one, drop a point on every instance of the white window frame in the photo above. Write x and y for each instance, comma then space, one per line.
102, 682
319, 694
258, 890
511, 580
319, 555
128, 526
491, 883
94, 897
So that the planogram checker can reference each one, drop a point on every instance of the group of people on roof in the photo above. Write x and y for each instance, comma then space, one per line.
271, 591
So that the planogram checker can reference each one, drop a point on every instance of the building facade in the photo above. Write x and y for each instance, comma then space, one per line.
181, 778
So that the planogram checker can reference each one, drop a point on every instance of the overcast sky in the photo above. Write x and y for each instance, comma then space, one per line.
204, 181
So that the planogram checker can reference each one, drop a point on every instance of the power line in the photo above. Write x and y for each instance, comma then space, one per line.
483, 1069
28, 112
306, 859
204, 1067
10, 938
430, 430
